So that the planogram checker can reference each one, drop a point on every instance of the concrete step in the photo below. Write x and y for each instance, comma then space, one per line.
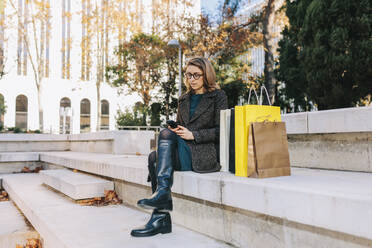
19, 156
12, 162
114, 142
76, 185
33, 142
109, 165
63, 223
13, 227
324, 199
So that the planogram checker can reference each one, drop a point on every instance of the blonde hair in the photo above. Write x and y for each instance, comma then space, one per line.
209, 75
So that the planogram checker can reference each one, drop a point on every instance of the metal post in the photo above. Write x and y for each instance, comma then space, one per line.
180, 70
175, 43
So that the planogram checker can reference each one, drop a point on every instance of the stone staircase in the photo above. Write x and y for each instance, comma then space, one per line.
63, 223
317, 206
76, 185
14, 229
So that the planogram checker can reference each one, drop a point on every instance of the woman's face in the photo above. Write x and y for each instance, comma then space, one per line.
195, 78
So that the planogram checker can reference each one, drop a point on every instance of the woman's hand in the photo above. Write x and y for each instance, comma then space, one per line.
183, 132
173, 129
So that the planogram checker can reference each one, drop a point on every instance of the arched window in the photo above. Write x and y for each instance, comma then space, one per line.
105, 115
65, 115
2, 111
21, 111
84, 116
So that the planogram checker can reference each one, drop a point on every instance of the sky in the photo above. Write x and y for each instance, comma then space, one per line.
209, 6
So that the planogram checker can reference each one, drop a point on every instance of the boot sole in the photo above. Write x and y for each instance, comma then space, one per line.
162, 231
167, 206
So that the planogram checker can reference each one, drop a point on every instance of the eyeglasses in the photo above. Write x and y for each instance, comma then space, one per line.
196, 76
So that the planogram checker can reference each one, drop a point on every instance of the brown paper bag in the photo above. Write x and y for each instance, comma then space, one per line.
268, 154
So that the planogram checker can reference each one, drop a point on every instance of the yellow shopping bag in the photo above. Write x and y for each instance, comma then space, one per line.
244, 116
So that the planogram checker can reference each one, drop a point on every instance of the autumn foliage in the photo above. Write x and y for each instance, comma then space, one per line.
28, 170
4, 196
110, 198
31, 243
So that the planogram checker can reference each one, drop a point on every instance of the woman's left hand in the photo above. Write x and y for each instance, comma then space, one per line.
184, 133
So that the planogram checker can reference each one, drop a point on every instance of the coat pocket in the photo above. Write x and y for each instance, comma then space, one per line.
204, 158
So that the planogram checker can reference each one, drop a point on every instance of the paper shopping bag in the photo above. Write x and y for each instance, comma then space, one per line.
244, 116
232, 142
269, 146
224, 139
241, 141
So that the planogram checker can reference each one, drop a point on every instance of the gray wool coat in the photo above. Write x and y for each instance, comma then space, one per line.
205, 126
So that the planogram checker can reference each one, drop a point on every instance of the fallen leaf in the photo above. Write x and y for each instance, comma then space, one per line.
27, 170
31, 243
4, 196
110, 199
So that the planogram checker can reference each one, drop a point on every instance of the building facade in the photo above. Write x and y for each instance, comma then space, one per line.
53, 55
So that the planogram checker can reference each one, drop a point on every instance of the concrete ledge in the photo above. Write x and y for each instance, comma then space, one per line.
243, 228
330, 121
18, 156
32, 137
326, 199
341, 120
114, 142
337, 151
296, 123
33, 142
115, 166
34, 146
76, 185
16, 167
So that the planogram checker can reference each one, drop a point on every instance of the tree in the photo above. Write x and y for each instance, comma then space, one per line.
2, 39
102, 28
140, 66
2, 111
155, 114
37, 13
272, 19
225, 40
165, 25
103, 21
325, 53
128, 118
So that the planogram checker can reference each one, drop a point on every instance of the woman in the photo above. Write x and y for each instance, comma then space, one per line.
192, 145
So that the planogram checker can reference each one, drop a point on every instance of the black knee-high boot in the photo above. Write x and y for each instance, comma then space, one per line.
152, 171
160, 222
162, 199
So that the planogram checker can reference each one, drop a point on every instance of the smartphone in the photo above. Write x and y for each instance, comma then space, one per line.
172, 124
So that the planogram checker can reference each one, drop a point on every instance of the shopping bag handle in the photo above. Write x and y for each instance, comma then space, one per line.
267, 94
249, 96
259, 99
